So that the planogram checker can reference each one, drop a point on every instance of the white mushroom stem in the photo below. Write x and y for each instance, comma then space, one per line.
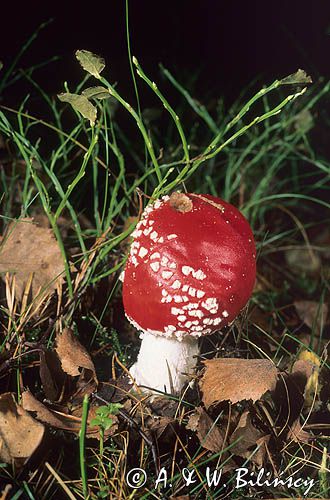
165, 364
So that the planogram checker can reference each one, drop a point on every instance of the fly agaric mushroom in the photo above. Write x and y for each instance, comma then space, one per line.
190, 271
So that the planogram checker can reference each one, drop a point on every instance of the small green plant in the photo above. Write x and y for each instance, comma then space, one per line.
104, 421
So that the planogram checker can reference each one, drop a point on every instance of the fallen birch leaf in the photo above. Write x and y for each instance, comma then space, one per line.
20, 433
73, 355
246, 438
161, 427
65, 422
54, 419
28, 250
302, 260
297, 434
209, 435
237, 379
289, 396
164, 407
304, 369
51, 375
63, 223
312, 313
260, 318
92, 430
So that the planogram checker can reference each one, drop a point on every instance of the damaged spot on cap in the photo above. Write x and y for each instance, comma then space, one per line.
181, 202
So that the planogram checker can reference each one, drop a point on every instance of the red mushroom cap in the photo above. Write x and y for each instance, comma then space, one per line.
191, 267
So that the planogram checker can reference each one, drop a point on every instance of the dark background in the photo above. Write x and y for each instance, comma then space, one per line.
227, 43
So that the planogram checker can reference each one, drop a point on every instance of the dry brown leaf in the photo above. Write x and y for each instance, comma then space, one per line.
303, 260
94, 431
289, 394
209, 435
73, 355
161, 426
260, 318
312, 313
297, 434
262, 443
115, 390
28, 250
303, 368
64, 224
57, 420
237, 379
51, 374
20, 433
65, 422
246, 437
163, 406
312, 341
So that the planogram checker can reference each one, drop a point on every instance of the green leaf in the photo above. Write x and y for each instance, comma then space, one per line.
95, 422
114, 408
96, 93
1, 65
81, 104
107, 423
300, 77
103, 493
93, 64
102, 411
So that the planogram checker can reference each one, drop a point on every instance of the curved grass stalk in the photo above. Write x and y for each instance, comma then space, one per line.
167, 106
147, 140
198, 108
79, 176
54, 128
211, 151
